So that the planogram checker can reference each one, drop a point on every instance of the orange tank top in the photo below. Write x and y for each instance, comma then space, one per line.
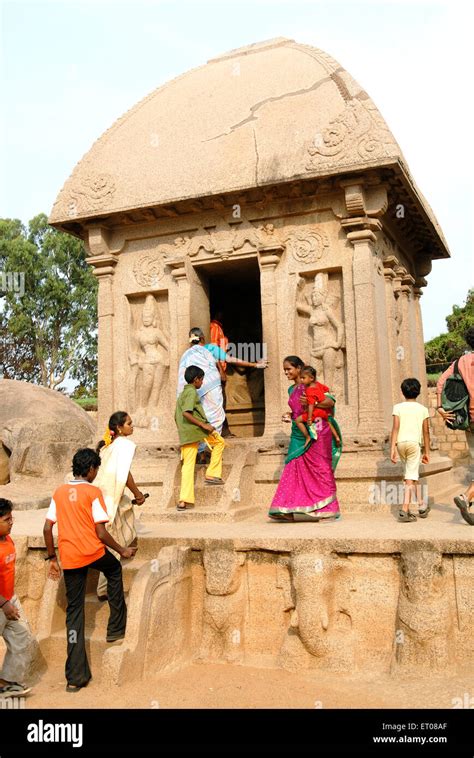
7, 567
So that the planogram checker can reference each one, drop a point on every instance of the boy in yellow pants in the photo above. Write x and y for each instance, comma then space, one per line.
193, 428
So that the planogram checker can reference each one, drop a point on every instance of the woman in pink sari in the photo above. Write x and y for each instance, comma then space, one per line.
307, 488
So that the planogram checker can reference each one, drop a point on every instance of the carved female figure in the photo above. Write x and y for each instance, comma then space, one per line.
149, 356
326, 328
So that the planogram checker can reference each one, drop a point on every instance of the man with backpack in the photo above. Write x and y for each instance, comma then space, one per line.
455, 401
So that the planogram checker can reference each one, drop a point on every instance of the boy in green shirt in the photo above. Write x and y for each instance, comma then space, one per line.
193, 428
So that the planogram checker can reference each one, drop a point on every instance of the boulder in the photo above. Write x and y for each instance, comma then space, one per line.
41, 430
4, 465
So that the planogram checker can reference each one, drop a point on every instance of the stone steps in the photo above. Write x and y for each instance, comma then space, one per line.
201, 514
446, 495
56, 649
96, 611
232, 501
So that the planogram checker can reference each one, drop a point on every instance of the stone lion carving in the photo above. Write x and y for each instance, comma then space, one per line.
327, 331
224, 605
148, 357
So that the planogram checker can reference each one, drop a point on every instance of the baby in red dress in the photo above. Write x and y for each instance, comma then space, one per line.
315, 393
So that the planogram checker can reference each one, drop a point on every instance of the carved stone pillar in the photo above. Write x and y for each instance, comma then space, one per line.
363, 205
421, 375
370, 412
269, 258
179, 336
104, 267
104, 259
407, 325
390, 263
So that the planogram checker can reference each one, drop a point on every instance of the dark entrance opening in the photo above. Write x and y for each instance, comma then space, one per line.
234, 299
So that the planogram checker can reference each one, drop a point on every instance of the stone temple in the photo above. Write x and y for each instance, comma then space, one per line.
268, 185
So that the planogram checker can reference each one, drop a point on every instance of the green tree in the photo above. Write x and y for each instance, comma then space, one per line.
444, 349
49, 324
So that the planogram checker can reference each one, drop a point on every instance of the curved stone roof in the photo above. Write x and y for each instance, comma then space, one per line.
263, 114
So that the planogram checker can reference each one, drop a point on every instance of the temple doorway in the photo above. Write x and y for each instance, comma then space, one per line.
233, 289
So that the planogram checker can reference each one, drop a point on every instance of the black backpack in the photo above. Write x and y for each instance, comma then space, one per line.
455, 399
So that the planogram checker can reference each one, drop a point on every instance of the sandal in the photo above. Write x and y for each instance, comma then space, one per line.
423, 512
74, 687
213, 480
13, 689
464, 506
282, 517
181, 506
406, 516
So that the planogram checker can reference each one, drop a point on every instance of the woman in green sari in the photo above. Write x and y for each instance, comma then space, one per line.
307, 488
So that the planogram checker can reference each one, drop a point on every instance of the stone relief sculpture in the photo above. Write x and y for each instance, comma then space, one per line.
90, 193
327, 330
224, 605
358, 133
321, 623
424, 634
149, 269
307, 245
148, 356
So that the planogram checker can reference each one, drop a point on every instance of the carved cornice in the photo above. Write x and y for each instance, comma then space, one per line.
269, 257
390, 264
98, 241
354, 198
365, 203
104, 265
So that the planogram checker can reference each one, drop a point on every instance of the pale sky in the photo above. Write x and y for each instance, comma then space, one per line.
69, 69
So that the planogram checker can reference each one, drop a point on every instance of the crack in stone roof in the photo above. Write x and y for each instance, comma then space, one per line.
256, 157
256, 106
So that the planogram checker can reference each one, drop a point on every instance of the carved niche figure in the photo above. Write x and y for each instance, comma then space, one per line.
148, 356
424, 627
224, 605
328, 339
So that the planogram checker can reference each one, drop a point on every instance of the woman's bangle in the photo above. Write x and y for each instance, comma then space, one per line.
4, 603
50, 557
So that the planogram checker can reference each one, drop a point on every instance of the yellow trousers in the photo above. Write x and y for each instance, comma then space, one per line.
188, 456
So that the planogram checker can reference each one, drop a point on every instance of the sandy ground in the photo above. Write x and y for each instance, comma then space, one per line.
229, 686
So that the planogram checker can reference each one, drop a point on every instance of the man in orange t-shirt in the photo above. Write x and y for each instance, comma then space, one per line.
80, 512
13, 625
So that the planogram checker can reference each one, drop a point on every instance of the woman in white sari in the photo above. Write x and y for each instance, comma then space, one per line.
210, 394
207, 357
116, 452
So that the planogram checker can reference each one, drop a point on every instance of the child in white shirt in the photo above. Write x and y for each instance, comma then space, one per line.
410, 428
